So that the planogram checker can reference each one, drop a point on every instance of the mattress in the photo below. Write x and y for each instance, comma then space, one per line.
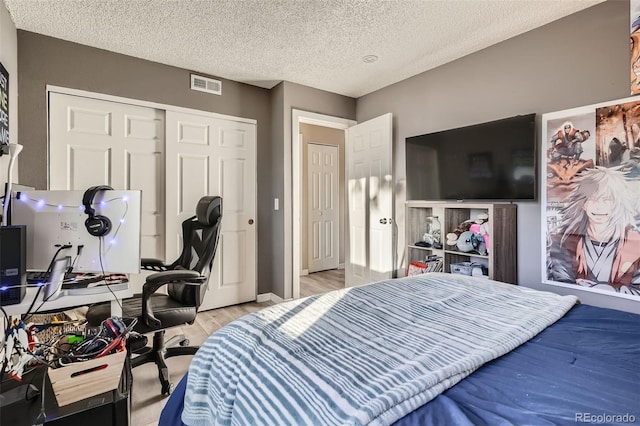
368, 354
582, 368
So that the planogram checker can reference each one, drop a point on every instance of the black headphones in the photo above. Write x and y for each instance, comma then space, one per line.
97, 225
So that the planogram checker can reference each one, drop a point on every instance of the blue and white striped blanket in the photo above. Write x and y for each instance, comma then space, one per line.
363, 355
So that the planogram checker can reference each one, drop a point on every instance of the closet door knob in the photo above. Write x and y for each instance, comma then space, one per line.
383, 221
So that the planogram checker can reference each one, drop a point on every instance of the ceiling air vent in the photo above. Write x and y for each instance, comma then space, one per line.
204, 84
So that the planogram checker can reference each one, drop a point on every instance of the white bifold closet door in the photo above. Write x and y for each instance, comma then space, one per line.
174, 158
95, 142
214, 156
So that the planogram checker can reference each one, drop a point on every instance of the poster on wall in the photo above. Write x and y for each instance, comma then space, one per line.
634, 32
591, 198
4, 110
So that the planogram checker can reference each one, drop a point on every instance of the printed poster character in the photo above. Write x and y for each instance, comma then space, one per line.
567, 156
635, 56
598, 245
567, 143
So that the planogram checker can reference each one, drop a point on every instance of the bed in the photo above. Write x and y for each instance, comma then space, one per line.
430, 349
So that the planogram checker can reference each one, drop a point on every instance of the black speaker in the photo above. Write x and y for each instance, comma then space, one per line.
13, 260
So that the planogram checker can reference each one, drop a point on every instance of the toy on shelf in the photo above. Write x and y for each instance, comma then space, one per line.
471, 235
17, 348
432, 238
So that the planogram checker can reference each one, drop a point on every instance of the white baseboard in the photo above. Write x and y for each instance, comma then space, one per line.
265, 297
276, 299
269, 297
341, 266
304, 272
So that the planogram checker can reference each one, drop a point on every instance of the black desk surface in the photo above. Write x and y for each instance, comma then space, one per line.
110, 408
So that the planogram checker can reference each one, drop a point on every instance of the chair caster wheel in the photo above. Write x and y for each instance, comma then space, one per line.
185, 342
167, 389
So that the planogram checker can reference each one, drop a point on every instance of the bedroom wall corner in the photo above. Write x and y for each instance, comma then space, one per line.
578, 60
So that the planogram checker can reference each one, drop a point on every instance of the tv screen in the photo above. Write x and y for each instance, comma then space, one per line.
488, 161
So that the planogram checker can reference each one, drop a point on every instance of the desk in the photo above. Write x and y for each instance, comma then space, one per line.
66, 301
112, 408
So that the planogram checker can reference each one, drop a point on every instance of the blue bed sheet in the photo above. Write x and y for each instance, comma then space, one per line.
584, 368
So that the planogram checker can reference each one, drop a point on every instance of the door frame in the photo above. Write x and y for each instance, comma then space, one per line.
292, 194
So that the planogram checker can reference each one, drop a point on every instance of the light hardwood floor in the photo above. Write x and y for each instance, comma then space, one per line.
147, 400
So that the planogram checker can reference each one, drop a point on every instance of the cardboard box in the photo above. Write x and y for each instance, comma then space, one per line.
82, 380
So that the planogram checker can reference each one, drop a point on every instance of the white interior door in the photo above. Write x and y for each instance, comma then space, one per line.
211, 156
96, 142
369, 248
323, 207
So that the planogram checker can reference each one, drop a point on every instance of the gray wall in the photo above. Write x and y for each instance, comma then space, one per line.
295, 96
579, 60
44, 60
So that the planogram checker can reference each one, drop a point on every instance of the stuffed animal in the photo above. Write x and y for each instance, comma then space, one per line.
452, 237
471, 235
482, 229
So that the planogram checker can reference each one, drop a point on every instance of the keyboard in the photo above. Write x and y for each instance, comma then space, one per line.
101, 288
90, 283
40, 277
82, 281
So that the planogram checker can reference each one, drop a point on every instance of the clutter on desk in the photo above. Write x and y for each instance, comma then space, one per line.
84, 280
81, 380
59, 341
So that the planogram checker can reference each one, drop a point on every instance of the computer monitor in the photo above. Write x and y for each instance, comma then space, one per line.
57, 218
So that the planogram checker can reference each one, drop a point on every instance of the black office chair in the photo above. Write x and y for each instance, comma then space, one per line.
187, 283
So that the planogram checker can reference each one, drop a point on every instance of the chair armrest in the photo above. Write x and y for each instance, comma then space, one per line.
157, 280
149, 264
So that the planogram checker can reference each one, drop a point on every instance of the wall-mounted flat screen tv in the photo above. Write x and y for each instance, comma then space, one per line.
488, 161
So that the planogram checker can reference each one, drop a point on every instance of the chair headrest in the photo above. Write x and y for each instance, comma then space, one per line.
209, 210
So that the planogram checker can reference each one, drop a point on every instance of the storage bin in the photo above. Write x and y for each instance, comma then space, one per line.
416, 268
465, 268
82, 380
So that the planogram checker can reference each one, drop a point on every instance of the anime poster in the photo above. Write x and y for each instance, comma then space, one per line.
591, 201
634, 6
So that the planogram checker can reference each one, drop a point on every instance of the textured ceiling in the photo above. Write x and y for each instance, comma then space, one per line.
317, 43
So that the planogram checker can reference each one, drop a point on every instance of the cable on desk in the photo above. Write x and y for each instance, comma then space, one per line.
75, 259
104, 276
55, 256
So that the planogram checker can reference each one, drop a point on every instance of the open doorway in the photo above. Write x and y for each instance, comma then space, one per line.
322, 176
328, 131
369, 248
